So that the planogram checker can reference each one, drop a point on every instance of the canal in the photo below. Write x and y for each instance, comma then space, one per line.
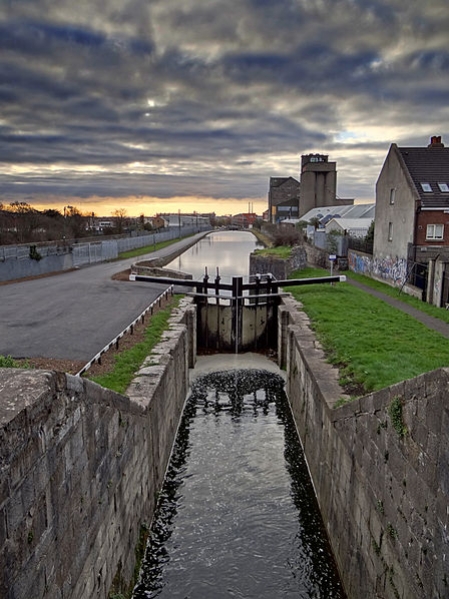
227, 250
237, 516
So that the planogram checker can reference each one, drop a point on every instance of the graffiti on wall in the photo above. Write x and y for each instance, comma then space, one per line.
392, 270
360, 263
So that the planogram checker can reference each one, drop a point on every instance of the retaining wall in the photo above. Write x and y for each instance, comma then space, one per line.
381, 476
279, 267
15, 261
80, 469
365, 264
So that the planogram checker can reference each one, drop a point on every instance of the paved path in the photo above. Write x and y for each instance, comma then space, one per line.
429, 321
73, 315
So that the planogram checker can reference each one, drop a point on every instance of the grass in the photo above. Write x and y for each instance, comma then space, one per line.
154, 247
9, 362
402, 296
373, 344
282, 251
128, 362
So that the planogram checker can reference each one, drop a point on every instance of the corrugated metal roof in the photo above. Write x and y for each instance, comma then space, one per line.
349, 211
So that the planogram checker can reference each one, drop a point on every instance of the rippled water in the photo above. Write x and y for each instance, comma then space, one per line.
237, 517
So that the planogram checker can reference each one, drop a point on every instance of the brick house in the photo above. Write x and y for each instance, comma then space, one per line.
411, 237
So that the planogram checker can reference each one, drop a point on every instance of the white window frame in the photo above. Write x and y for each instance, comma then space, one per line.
435, 232
426, 187
390, 231
444, 187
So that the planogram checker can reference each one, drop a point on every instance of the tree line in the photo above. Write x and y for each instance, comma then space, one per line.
21, 223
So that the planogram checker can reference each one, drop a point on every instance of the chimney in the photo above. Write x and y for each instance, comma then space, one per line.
435, 142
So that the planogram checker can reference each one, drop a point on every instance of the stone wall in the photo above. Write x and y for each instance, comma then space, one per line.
80, 469
379, 466
319, 257
391, 273
280, 268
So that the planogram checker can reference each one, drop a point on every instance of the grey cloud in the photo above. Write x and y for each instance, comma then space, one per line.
225, 87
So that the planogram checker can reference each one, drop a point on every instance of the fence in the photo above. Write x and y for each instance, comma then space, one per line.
19, 261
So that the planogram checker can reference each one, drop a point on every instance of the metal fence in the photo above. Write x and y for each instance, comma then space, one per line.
360, 245
98, 251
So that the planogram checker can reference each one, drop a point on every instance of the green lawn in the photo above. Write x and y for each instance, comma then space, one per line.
128, 362
281, 251
373, 344
147, 249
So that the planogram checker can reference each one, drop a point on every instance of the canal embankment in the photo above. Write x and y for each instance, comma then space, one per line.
81, 469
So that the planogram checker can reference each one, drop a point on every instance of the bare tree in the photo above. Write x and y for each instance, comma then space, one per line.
121, 219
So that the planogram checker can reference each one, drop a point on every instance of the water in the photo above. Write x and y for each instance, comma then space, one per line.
237, 517
228, 250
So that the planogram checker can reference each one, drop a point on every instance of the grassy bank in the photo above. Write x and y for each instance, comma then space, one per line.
373, 344
396, 293
283, 252
128, 362
153, 247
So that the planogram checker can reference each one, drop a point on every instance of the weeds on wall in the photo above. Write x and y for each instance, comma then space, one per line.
395, 413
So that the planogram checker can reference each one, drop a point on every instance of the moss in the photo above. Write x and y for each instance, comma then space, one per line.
120, 588
395, 413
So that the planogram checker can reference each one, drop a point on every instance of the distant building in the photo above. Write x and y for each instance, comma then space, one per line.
318, 182
244, 220
184, 220
291, 199
354, 227
283, 198
323, 214
157, 222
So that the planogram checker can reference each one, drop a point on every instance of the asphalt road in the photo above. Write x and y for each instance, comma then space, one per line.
73, 315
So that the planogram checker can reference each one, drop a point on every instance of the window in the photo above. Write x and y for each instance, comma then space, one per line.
426, 187
392, 195
390, 231
444, 187
434, 232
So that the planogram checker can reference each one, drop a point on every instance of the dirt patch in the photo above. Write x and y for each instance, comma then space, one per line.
122, 276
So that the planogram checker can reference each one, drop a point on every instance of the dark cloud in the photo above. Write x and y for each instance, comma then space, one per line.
193, 98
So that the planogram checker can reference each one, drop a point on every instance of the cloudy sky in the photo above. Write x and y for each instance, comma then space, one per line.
131, 101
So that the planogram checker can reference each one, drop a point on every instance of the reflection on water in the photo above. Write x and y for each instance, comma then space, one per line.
228, 250
237, 516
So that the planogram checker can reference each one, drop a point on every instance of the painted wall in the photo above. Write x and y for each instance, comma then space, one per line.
381, 477
401, 214
81, 467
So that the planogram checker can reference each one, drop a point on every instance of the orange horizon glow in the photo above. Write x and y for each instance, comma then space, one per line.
149, 206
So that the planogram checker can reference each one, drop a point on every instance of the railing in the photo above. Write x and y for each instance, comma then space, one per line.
236, 316
129, 329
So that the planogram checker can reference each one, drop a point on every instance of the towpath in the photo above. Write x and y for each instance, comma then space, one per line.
429, 321
73, 315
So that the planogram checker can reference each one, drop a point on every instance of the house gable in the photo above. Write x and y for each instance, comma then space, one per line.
396, 199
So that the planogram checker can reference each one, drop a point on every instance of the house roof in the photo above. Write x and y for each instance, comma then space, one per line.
352, 223
347, 211
429, 165
278, 181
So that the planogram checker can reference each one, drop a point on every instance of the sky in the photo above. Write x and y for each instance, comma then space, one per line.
167, 105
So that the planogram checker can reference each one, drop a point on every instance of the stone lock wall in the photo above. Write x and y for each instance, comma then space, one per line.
379, 467
278, 267
80, 469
